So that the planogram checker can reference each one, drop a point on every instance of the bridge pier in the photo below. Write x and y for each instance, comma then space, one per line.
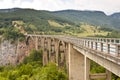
52, 52
76, 64
66, 58
45, 57
36, 43
61, 54
56, 51
49, 48
108, 75
86, 68
45, 52
79, 65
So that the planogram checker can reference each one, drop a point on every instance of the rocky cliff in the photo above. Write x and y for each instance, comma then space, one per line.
7, 53
11, 53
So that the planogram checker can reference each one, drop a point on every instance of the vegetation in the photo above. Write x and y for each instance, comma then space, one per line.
12, 34
31, 69
33, 57
113, 34
95, 18
95, 68
31, 17
70, 22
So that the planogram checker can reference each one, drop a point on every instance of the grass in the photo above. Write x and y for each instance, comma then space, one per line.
89, 30
91, 34
56, 24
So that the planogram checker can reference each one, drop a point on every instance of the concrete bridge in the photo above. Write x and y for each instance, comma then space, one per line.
75, 53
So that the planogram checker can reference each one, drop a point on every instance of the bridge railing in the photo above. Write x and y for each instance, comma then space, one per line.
106, 40
105, 45
111, 48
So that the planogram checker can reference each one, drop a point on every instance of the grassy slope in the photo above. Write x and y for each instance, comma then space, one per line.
48, 22
91, 17
91, 31
88, 30
29, 16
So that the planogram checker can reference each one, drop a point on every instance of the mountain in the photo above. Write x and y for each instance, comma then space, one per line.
65, 21
31, 17
98, 18
115, 15
81, 16
8, 10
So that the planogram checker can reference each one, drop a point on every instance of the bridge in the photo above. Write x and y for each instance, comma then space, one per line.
76, 53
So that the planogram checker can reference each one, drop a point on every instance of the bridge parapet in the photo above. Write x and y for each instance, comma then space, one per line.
105, 45
104, 40
109, 46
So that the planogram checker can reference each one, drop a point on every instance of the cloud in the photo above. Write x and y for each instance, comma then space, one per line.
108, 6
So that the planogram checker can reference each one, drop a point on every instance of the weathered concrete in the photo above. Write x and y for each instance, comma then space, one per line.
86, 68
45, 58
76, 64
108, 75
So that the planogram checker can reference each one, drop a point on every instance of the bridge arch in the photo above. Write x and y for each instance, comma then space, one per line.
39, 42
61, 53
30, 42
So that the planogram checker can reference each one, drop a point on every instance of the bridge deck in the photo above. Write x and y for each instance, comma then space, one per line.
108, 48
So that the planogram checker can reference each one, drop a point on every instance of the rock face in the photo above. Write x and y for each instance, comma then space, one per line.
22, 51
7, 53
11, 53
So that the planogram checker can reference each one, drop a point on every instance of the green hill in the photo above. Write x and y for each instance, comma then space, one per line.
70, 22
91, 17
29, 16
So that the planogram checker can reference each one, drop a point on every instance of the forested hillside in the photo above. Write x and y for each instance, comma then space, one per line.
70, 22
91, 17
38, 18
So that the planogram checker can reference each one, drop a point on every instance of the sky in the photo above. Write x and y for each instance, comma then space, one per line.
108, 6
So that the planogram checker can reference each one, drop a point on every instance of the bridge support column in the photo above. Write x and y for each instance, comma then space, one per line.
76, 64
108, 75
42, 43
49, 49
45, 58
53, 55
56, 51
67, 58
36, 43
45, 53
87, 68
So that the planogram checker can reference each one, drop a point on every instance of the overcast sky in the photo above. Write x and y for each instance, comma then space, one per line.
108, 6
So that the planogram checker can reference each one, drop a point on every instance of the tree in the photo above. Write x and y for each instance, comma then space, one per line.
34, 56
51, 72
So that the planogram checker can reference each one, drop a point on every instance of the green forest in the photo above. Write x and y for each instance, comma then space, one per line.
31, 69
68, 22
